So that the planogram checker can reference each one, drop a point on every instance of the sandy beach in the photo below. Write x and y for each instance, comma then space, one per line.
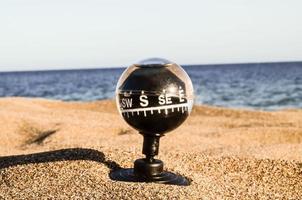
62, 150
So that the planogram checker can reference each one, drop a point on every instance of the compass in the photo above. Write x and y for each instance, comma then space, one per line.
154, 96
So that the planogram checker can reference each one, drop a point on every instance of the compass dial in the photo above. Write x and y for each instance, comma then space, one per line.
154, 96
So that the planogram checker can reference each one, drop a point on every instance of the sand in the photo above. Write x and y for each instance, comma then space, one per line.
65, 150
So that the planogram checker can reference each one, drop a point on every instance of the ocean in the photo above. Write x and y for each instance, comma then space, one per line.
265, 86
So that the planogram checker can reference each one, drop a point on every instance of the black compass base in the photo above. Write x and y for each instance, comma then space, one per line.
128, 175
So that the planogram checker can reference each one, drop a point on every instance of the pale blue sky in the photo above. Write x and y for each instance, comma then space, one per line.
51, 34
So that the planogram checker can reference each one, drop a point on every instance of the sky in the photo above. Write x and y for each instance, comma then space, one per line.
58, 34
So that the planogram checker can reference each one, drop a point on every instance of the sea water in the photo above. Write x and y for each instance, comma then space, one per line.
268, 86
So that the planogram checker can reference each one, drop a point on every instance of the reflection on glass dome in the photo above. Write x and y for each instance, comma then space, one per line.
153, 61
154, 96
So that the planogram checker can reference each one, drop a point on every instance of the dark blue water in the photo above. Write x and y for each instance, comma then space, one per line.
258, 86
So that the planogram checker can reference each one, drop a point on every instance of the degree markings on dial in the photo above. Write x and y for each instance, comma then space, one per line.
183, 107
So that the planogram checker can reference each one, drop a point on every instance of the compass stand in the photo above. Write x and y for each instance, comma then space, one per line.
149, 169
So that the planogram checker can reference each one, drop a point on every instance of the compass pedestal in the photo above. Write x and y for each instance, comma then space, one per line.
149, 169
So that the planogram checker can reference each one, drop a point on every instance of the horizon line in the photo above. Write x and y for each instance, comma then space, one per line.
120, 67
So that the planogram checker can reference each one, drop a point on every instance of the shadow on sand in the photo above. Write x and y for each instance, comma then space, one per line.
58, 155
